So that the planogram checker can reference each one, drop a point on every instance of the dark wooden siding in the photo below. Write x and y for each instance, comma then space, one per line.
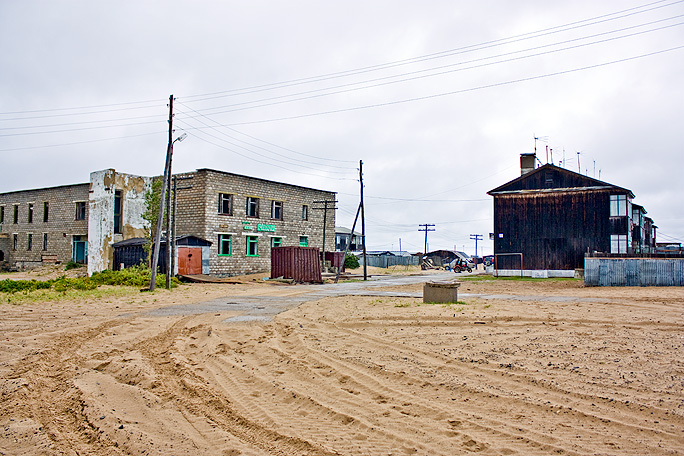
552, 230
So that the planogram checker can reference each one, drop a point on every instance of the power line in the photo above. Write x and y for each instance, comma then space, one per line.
241, 106
88, 107
80, 142
280, 161
276, 165
620, 14
262, 148
455, 92
484, 45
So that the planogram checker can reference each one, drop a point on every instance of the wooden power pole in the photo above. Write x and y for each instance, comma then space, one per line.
165, 183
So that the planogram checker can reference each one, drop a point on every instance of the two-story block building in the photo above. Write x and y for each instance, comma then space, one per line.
239, 217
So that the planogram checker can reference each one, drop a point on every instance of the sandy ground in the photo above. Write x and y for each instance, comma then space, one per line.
525, 368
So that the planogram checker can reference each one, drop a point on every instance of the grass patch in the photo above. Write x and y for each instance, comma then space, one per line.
56, 288
446, 304
50, 295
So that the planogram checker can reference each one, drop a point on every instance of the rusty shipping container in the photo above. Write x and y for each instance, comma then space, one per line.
336, 259
303, 264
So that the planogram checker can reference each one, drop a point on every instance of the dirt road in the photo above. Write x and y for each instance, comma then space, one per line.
523, 368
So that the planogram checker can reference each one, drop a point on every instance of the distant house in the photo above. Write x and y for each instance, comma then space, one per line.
344, 238
549, 217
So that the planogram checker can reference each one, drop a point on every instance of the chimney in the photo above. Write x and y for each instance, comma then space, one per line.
527, 162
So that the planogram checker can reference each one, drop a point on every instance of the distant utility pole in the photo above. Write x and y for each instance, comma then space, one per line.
325, 222
363, 222
426, 228
476, 237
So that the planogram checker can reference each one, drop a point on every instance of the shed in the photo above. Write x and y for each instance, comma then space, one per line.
192, 253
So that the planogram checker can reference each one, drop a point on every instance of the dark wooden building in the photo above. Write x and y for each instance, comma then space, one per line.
553, 216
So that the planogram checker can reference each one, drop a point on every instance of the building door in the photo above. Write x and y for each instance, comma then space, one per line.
79, 250
189, 260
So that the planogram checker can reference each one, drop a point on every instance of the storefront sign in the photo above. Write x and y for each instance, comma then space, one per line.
266, 227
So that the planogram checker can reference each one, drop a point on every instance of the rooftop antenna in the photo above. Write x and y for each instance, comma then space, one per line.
551, 150
594, 169
579, 168
540, 138
547, 154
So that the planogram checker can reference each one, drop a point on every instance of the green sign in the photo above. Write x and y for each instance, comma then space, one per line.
265, 227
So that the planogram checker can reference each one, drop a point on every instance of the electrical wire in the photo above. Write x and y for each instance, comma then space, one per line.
260, 147
272, 144
283, 99
470, 48
279, 163
82, 142
276, 165
455, 92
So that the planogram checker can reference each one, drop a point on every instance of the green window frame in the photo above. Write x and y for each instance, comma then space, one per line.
252, 246
225, 245
303, 241
276, 242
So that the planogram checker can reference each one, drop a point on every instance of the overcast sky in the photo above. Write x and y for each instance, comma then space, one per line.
438, 98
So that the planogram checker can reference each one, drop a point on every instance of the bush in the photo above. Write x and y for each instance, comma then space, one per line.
351, 262
72, 265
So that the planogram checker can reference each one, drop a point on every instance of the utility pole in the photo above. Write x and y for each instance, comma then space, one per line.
325, 222
426, 228
173, 218
165, 183
363, 223
476, 237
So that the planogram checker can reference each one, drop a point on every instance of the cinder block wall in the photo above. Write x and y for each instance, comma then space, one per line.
60, 227
198, 215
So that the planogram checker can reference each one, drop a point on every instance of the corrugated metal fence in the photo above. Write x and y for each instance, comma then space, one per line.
385, 261
634, 272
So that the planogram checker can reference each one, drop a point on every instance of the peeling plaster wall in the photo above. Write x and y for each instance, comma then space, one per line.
101, 236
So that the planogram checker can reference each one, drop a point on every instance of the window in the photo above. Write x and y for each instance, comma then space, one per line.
225, 245
225, 204
277, 210
118, 201
618, 205
618, 243
303, 241
252, 246
16, 214
276, 241
29, 245
44, 241
2, 214
305, 212
252, 209
80, 210
30, 213
45, 211
15, 241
